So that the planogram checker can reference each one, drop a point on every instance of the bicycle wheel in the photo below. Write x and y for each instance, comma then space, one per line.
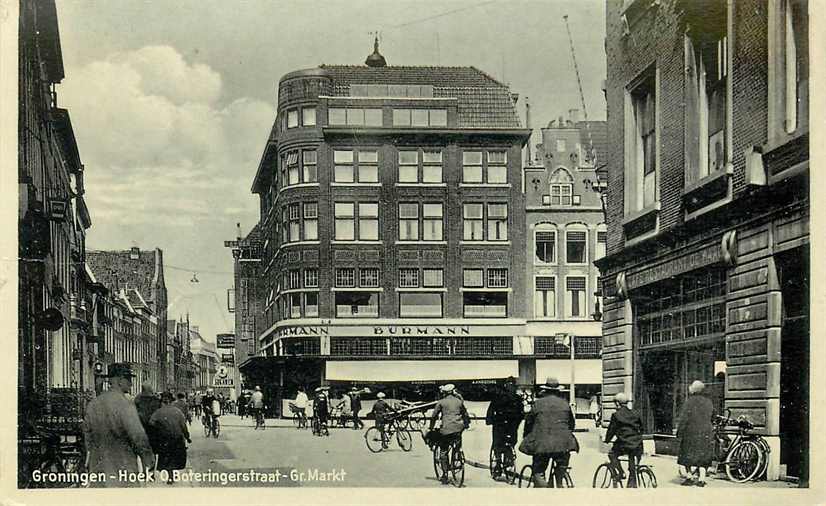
296, 420
207, 427
602, 476
373, 440
646, 477
457, 467
494, 464
744, 461
404, 440
526, 477
509, 465
437, 463
217, 429
417, 422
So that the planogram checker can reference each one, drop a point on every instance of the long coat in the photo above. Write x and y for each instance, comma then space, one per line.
695, 432
549, 428
171, 432
115, 437
626, 425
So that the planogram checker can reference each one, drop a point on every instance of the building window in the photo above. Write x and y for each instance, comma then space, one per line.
544, 301
294, 280
575, 295
788, 68
310, 304
473, 222
420, 305
433, 278
369, 277
497, 278
497, 167
497, 222
352, 116
336, 116
369, 221
409, 221
408, 278
575, 246
310, 221
602, 239
641, 146
373, 117
472, 167
345, 277
292, 118
295, 222
308, 116
472, 278
420, 117
294, 301
485, 304
309, 162
706, 59
432, 222
545, 246
561, 187
368, 167
310, 278
345, 221
560, 145
432, 167
343, 170
357, 304
292, 168
408, 166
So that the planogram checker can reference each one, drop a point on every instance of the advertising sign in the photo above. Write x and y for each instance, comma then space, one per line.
226, 341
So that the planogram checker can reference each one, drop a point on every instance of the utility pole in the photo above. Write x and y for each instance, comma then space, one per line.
528, 126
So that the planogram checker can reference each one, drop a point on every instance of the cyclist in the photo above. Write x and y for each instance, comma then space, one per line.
208, 402
321, 406
301, 406
455, 419
504, 414
381, 410
256, 406
626, 425
549, 434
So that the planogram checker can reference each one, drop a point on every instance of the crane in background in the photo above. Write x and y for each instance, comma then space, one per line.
591, 155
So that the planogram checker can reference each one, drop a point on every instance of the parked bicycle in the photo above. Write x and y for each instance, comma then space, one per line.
503, 463
526, 477
455, 458
51, 452
606, 476
376, 441
744, 455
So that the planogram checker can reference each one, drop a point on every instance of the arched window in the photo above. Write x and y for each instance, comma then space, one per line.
561, 187
545, 244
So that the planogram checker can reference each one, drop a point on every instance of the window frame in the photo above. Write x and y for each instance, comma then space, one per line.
553, 242
552, 305
569, 297
577, 230
635, 197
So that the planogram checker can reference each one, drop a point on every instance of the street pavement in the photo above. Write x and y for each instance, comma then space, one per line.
284, 456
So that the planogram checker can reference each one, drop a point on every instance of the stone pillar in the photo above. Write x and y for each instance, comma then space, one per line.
753, 337
617, 353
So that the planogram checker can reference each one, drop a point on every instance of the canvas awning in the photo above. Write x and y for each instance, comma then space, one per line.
420, 370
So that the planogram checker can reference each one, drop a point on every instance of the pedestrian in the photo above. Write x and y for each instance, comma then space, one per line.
169, 425
593, 408
147, 402
455, 420
113, 433
346, 408
355, 407
182, 404
696, 436
626, 426
300, 402
549, 433
504, 414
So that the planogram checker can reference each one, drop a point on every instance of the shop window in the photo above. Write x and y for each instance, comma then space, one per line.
357, 304
417, 304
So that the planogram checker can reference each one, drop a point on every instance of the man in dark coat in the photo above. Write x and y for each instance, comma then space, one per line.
171, 433
504, 414
549, 433
626, 425
147, 402
355, 406
696, 436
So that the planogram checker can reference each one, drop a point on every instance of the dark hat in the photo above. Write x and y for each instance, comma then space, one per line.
120, 370
551, 383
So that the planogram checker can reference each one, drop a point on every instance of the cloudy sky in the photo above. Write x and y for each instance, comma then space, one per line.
172, 102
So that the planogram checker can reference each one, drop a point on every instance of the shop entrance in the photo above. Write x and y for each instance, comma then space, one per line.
793, 273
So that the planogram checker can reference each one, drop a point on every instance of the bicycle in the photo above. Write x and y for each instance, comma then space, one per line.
299, 418
259, 418
320, 427
211, 425
51, 452
455, 458
746, 456
377, 441
607, 477
526, 477
503, 463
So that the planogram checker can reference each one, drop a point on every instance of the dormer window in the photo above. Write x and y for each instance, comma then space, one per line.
561, 188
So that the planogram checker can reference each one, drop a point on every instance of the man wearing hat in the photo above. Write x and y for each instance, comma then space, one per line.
321, 407
626, 426
171, 435
113, 433
355, 406
549, 433
455, 419
380, 411
505, 413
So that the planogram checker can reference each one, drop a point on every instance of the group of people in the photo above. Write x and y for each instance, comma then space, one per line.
348, 404
120, 432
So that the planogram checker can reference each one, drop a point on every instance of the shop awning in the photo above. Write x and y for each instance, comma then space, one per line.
586, 372
420, 370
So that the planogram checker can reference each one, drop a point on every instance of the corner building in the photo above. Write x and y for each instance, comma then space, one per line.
707, 271
392, 222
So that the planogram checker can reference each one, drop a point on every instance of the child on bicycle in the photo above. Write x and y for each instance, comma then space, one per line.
626, 426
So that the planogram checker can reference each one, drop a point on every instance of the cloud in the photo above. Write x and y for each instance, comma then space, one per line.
158, 141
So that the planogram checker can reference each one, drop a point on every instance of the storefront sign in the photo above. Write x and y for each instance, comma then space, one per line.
392, 330
709, 255
226, 341
221, 383
421, 330
227, 358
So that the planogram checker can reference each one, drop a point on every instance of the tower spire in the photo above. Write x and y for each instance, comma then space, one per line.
375, 59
